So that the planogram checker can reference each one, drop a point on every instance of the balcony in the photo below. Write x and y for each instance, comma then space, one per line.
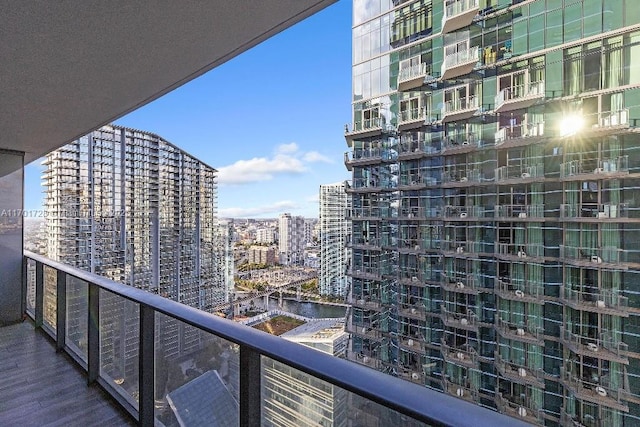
365, 272
468, 392
526, 409
459, 63
599, 301
567, 419
365, 128
593, 257
464, 356
521, 331
520, 290
412, 181
460, 108
461, 248
463, 212
412, 311
411, 344
519, 212
459, 176
412, 118
363, 157
520, 251
41, 386
595, 168
77, 308
466, 284
608, 122
600, 392
520, 173
519, 135
458, 14
413, 76
361, 242
412, 149
518, 373
464, 142
366, 302
604, 346
593, 211
365, 213
519, 96
468, 321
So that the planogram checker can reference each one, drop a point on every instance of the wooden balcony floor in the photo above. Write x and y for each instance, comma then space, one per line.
39, 387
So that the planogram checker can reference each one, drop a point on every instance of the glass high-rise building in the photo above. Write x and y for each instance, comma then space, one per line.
334, 232
495, 165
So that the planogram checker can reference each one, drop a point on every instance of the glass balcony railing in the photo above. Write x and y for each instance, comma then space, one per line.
458, 14
600, 391
455, 107
464, 212
597, 343
520, 250
149, 352
460, 63
411, 147
517, 132
504, 173
611, 165
519, 96
519, 406
594, 210
584, 254
596, 299
529, 330
520, 290
519, 211
521, 373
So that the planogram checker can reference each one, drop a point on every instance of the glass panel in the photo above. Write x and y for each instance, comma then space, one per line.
50, 295
119, 339
292, 397
31, 287
77, 304
197, 376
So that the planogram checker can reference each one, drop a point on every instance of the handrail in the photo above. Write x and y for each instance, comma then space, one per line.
393, 393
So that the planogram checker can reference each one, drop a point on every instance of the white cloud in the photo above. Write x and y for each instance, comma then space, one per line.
314, 156
273, 209
259, 169
286, 160
287, 148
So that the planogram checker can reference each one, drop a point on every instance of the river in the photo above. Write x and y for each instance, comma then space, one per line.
312, 310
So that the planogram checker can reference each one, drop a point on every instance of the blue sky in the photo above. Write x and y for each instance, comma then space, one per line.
270, 120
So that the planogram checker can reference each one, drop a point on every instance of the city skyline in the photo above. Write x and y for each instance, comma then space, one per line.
259, 155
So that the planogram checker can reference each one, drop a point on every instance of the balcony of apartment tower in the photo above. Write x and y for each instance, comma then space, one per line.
458, 173
364, 154
416, 145
461, 139
457, 280
520, 367
585, 294
459, 59
461, 385
518, 209
523, 290
520, 327
459, 14
521, 405
592, 341
517, 129
414, 72
458, 350
461, 102
597, 383
518, 90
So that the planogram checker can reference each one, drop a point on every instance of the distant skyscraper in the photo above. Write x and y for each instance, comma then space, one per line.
495, 170
265, 235
334, 233
291, 239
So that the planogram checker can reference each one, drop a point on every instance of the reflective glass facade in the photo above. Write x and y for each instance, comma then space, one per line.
495, 223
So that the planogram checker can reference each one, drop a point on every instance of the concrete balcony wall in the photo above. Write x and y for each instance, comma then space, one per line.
11, 225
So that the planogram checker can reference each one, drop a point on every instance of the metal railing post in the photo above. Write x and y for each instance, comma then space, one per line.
61, 309
39, 309
93, 333
250, 387
146, 366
